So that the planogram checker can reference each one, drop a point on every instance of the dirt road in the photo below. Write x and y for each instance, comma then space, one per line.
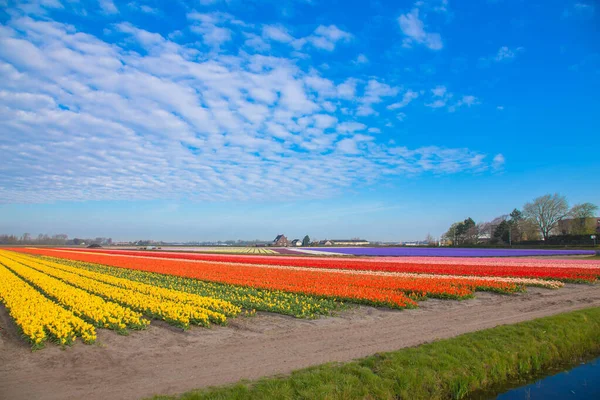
164, 360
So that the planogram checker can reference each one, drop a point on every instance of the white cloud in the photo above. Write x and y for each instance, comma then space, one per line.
499, 108
351, 127
498, 162
442, 98
256, 42
439, 91
505, 53
466, 100
408, 96
414, 30
347, 90
206, 25
108, 7
375, 91
277, 33
325, 37
436, 103
353, 144
361, 59
86, 119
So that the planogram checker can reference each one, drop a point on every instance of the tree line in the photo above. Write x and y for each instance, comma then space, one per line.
545, 216
60, 239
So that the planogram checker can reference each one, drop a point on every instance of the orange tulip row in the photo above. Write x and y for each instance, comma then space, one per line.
397, 292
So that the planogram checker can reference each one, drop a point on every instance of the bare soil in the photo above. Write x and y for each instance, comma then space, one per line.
165, 360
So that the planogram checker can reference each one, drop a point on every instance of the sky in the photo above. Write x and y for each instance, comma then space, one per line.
242, 119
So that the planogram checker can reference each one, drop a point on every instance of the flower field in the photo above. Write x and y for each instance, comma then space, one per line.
71, 292
556, 269
222, 249
447, 252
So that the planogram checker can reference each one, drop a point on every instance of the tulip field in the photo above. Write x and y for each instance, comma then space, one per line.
60, 295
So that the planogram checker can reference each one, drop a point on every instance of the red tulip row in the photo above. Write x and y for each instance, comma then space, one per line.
399, 292
453, 267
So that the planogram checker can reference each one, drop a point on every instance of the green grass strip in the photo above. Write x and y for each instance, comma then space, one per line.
446, 369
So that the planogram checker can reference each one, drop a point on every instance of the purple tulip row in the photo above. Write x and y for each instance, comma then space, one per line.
448, 252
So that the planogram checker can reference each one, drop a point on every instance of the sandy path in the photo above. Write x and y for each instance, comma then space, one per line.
163, 360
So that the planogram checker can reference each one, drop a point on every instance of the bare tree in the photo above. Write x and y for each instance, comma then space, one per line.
430, 240
583, 210
546, 211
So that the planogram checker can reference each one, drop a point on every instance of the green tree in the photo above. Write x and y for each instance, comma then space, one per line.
306, 241
516, 225
502, 232
461, 232
582, 222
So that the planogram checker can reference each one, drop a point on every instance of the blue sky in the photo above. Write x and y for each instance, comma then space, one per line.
219, 119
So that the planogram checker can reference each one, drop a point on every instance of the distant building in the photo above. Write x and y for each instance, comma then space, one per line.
344, 242
296, 243
280, 241
351, 242
416, 243
567, 226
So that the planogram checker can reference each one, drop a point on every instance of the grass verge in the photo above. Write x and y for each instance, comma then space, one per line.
446, 369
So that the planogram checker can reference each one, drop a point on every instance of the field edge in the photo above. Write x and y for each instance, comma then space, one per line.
449, 368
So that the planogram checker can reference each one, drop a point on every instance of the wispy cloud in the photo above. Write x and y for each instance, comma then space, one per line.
108, 7
413, 28
408, 96
207, 26
143, 116
442, 98
579, 9
498, 162
503, 55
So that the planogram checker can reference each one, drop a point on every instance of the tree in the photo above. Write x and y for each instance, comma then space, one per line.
468, 231
583, 210
546, 211
461, 232
529, 230
430, 240
582, 222
451, 234
516, 225
306, 241
502, 232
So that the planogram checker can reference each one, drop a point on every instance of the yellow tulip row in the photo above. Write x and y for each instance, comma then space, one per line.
246, 297
221, 306
102, 313
38, 317
180, 314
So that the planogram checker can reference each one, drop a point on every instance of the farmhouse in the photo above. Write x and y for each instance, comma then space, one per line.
344, 242
351, 242
576, 225
296, 243
280, 241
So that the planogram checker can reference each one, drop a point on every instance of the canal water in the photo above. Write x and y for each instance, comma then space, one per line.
579, 383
